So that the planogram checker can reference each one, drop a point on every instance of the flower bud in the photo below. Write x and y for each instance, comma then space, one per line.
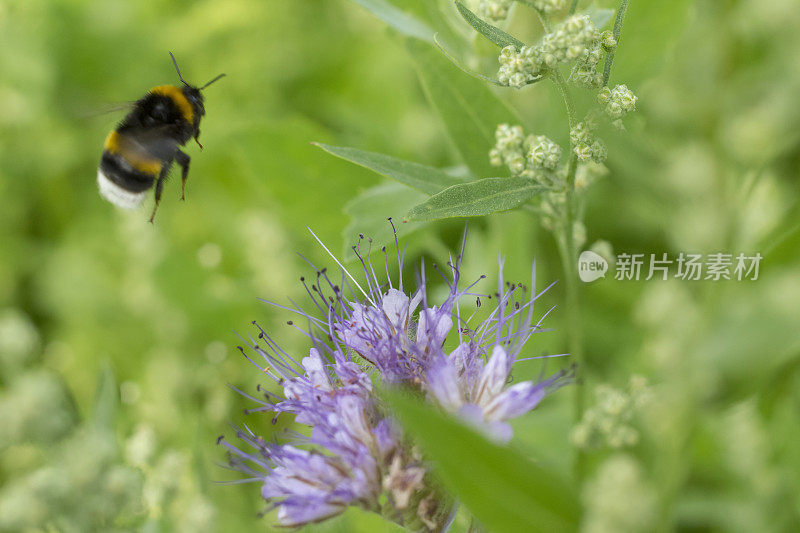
543, 153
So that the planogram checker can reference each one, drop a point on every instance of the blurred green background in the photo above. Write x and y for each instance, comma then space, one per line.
117, 338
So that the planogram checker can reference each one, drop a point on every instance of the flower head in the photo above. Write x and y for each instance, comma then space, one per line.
618, 101
377, 331
492, 10
519, 67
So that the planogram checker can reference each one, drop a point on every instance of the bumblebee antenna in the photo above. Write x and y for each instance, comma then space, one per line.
178, 70
212, 81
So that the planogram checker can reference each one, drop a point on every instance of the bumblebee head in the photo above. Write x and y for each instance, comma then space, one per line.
195, 98
193, 93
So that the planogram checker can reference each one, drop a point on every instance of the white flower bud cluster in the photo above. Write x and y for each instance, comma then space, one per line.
619, 498
542, 152
508, 148
548, 6
568, 41
618, 101
608, 422
492, 10
551, 208
519, 67
585, 72
524, 156
585, 145
587, 173
607, 41
575, 39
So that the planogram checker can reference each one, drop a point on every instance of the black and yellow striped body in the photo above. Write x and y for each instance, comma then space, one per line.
138, 154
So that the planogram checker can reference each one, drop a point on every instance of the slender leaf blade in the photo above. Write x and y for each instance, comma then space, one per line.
599, 16
423, 178
496, 35
476, 198
503, 489
106, 399
398, 19
468, 108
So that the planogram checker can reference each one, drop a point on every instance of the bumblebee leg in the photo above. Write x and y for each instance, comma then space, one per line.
183, 161
159, 188
196, 135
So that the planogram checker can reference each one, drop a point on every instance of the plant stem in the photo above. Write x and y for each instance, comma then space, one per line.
569, 259
617, 29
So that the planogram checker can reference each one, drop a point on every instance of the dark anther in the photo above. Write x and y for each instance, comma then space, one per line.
274, 420
302, 278
253, 322
289, 322
220, 438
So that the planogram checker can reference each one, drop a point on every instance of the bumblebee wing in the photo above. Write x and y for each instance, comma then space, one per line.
157, 142
87, 113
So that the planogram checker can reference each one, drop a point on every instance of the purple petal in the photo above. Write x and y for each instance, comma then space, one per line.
316, 371
395, 307
434, 325
494, 376
293, 513
515, 401
443, 384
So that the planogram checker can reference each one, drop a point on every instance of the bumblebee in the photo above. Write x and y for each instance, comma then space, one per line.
140, 151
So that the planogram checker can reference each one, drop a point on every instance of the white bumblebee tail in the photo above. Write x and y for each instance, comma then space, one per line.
116, 194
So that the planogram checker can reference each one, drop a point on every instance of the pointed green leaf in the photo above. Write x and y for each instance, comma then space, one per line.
469, 109
476, 198
369, 210
500, 486
496, 35
106, 399
600, 17
398, 19
427, 179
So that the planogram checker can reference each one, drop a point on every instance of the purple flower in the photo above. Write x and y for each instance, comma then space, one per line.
355, 454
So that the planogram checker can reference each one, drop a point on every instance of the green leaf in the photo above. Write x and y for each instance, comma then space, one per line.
779, 385
600, 17
501, 487
398, 19
369, 210
476, 198
468, 108
427, 179
496, 35
106, 399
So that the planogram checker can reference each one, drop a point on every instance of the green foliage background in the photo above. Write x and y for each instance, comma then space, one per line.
117, 338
